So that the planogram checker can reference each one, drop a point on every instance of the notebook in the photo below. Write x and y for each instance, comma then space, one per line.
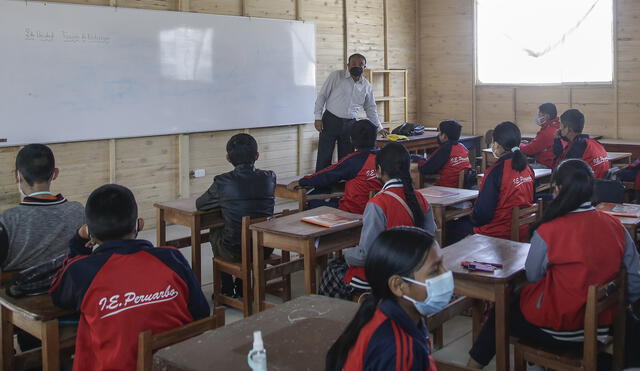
435, 192
624, 210
329, 220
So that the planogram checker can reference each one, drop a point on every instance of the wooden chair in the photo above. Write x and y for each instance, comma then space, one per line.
520, 217
148, 342
436, 321
599, 298
242, 270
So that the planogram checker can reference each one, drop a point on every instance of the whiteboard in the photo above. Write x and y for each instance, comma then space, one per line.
76, 72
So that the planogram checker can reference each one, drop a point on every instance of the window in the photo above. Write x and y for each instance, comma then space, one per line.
544, 41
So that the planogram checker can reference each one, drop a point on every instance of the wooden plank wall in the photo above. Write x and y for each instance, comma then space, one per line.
156, 168
447, 88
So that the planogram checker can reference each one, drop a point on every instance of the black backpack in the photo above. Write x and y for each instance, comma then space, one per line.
408, 129
35, 280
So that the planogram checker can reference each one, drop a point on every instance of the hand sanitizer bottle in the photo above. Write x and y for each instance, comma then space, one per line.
257, 357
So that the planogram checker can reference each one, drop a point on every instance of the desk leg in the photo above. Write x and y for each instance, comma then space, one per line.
50, 346
502, 326
161, 225
196, 264
258, 273
310, 267
7, 339
439, 216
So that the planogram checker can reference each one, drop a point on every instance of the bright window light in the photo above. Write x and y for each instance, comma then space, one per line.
544, 41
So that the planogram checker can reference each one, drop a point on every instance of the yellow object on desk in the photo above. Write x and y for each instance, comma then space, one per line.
397, 137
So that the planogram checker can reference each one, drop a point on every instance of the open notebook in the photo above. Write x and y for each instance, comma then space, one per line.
624, 210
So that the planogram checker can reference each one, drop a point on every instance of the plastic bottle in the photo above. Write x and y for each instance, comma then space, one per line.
257, 357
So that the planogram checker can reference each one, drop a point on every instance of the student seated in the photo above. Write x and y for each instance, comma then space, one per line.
124, 286
397, 204
408, 282
39, 228
356, 169
573, 246
506, 184
541, 147
245, 191
449, 159
580, 145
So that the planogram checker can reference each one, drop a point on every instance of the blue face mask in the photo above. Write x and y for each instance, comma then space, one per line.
439, 292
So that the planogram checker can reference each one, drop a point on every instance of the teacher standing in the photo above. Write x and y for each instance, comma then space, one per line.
341, 97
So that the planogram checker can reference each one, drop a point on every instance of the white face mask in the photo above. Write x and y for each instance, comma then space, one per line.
493, 152
22, 194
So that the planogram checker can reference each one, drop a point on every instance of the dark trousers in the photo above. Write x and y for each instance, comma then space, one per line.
334, 129
484, 348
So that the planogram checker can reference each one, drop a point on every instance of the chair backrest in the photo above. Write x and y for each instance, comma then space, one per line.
599, 298
605, 190
148, 342
245, 237
524, 216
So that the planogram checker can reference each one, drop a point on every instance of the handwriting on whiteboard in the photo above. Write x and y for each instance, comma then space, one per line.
66, 36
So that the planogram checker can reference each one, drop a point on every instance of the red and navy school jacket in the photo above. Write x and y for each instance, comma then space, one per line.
121, 289
358, 169
541, 147
447, 161
587, 149
502, 189
583, 248
391, 341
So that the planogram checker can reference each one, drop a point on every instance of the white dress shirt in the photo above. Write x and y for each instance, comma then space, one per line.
344, 97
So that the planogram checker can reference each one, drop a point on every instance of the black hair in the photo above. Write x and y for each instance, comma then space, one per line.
452, 128
36, 163
111, 212
575, 180
397, 251
394, 160
357, 55
364, 134
548, 109
242, 149
508, 136
573, 119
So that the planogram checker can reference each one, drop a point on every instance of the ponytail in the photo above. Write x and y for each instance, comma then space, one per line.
337, 355
507, 135
394, 160
397, 251
575, 180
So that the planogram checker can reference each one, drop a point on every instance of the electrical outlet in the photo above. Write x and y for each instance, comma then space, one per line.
198, 173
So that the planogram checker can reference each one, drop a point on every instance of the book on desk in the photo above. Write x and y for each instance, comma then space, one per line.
434, 192
328, 220
623, 210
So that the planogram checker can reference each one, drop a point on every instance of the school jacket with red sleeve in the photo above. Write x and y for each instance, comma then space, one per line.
358, 169
541, 147
383, 212
447, 161
391, 341
587, 149
121, 289
582, 248
502, 189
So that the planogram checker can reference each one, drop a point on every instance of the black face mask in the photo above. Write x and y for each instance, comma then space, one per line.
356, 71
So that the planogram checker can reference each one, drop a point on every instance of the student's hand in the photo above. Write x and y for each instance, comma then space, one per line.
557, 135
384, 132
318, 125
293, 185
83, 232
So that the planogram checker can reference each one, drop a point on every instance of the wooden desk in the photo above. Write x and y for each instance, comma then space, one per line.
300, 195
489, 286
630, 223
620, 159
39, 317
289, 233
184, 212
621, 145
418, 144
297, 336
440, 205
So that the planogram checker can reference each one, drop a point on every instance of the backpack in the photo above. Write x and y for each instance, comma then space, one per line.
409, 129
35, 280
